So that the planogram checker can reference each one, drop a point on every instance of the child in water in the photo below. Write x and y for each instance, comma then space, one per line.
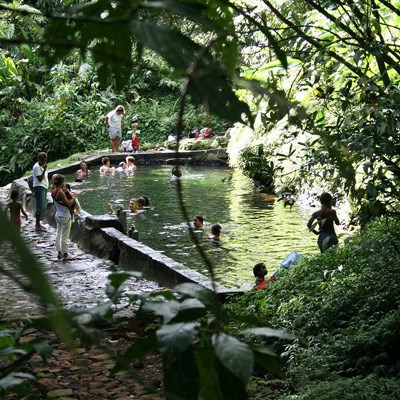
122, 167
106, 169
130, 162
146, 201
325, 217
198, 221
176, 173
16, 209
215, 232
133, 206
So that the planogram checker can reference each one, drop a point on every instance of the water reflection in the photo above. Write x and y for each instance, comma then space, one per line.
254, 227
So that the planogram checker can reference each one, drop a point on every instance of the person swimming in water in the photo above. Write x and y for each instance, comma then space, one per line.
83, 172
176, 173
215, 232
106, 168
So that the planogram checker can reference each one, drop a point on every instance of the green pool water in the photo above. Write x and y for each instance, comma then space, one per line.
254, 229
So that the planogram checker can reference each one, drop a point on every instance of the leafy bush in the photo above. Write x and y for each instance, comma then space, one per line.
258, 165
368, 388
343, 305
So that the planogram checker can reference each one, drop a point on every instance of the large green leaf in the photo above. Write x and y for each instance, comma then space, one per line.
206, 296
216, 94
108, 39
168, 310
229, 51
190, 310
267, 359
116, 282
175, 338
191, 304
14, 379
231, 387
208, 85
179, 51
196, 11
181, 378
234, 355
208, 371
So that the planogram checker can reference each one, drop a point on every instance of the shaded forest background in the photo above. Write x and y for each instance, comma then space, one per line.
311, 87
311, 92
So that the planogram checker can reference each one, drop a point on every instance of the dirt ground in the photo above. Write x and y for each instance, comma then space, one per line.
85, 374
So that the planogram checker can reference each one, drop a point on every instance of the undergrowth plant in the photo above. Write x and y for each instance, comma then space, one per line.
344, 309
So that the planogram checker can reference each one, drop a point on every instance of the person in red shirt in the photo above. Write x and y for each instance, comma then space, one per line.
135, 137
260, 271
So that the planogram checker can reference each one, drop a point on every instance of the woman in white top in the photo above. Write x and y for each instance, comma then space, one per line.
63, 205
113, 124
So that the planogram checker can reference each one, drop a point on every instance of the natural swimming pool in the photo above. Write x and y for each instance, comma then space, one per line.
253, 228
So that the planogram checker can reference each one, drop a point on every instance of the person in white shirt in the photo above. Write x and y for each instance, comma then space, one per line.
113, 124
40, 186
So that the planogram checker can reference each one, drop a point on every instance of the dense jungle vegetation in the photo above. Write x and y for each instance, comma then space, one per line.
310, 90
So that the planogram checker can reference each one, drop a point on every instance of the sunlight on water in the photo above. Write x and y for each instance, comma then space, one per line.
255, 227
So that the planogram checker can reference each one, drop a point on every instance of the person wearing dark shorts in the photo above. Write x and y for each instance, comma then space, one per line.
40, 186
325, 217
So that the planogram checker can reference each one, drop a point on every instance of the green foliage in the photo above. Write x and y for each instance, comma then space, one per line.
336, 103
344, 309
91, 28
198, 358
257, 164
368, 388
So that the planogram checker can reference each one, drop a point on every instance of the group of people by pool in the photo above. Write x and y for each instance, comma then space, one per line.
321, 222
66, 203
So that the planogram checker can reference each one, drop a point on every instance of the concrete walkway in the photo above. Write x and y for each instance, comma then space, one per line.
79, 283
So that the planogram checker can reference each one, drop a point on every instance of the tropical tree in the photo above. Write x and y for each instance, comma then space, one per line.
343, 70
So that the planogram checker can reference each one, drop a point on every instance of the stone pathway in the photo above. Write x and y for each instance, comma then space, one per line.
79, 283
83, 374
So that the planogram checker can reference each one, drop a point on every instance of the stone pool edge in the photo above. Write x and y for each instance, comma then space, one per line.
168, 157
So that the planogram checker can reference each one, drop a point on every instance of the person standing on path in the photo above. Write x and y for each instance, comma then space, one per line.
63, 206
114, 127
40, 186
